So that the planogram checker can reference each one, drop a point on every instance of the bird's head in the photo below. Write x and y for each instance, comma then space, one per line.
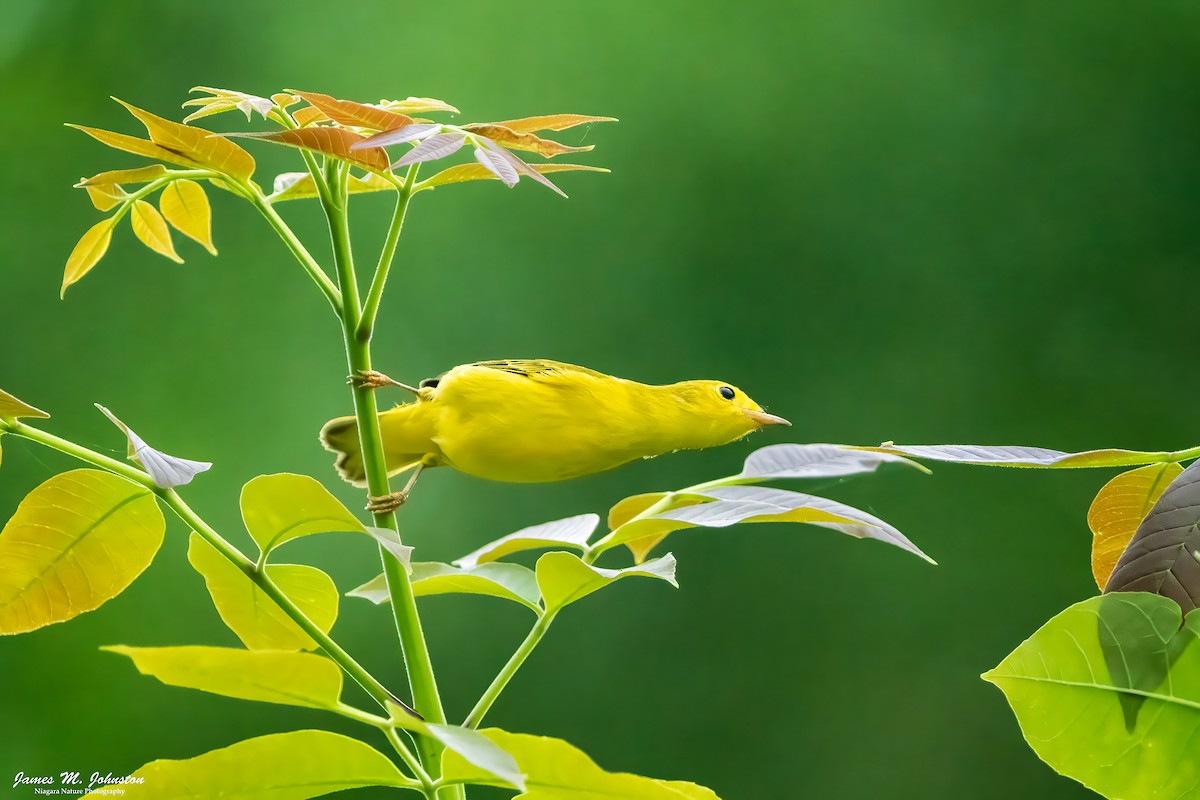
728, 411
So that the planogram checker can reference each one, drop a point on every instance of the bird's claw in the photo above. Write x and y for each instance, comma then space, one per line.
387, 503
370, 379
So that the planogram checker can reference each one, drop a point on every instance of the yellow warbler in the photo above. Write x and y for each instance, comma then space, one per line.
531, 420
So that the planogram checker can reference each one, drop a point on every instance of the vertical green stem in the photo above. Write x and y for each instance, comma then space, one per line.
510, 669
358, 355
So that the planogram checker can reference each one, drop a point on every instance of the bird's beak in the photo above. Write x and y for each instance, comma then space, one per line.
763, 418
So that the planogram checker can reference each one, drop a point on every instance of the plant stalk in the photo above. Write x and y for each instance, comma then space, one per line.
506, 674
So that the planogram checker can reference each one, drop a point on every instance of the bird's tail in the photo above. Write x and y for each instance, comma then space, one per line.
406, 442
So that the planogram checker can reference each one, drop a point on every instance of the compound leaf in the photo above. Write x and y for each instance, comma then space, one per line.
196, 144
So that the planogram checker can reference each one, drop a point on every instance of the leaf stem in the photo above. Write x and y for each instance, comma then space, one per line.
298, 249
506, 674
366, 324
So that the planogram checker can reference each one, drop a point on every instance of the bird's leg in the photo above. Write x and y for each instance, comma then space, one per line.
373, 379
393, 500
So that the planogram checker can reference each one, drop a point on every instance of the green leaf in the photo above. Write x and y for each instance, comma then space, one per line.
185, 206
73, 544
1017, 456
196, 144
479, 751
1119, 508
564, 578
1164, 554
568, 532
332, 142
12, 409
294, 679
283, 507
508, 581
280, 766
251, 613
555, 770
88, 251
1108, 693
300, 186
152, 230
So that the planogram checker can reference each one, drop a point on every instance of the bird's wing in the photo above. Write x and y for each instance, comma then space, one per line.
538, 368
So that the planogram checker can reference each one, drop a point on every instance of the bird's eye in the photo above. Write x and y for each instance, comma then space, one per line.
726, 392
428, 383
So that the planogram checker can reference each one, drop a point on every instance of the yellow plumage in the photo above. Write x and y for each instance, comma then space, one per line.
528, 421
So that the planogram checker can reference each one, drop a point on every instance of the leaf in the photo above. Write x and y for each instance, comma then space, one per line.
390, 540
185, 206
139, 147
294, 679
357, 115
507, 581
1066, 692
12, 409
865, 526
300, 186
477, 172
564, 578
309, 115
479, 751
417, 105
280, 766
409, 133
496, 164
1016, 456
223, 100
555, 770
105, 196
523, 168
1162, 556
1118, 510
279, 508
528, 142
437, 146
73, 544
333, 142
568, 532
88, 251
200, 146
814, 461
166, 471
152, 230
551, 122
251, 613
136, 175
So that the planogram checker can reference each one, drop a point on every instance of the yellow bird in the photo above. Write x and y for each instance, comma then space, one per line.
532, 420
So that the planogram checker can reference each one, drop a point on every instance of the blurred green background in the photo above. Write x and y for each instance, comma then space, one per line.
918, 220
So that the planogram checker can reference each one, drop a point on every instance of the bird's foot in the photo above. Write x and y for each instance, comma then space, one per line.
372, 379
387, 503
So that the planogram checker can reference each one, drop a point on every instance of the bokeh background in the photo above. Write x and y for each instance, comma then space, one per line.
918, 220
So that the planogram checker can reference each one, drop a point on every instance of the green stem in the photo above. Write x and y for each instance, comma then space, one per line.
358, 355
366, 325
298, 250
497, 686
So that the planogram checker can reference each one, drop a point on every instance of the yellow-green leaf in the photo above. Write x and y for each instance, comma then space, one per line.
279, 508
152, 230
135, 175
281, 766
417, 105
74, 543
551, 122
529, 142
13, 409
356, 115
105, 196
334, 142
1119, 508
139, 147
251, 613
477, 172
201, 146
300, 186
185, 206
308, 116
564, 577
88, 251
506, 581
555, 770
295, 679
222, 100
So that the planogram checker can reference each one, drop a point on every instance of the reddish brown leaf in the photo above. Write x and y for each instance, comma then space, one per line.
333, 142
551, 122
299, 186
309, 115
529, 142
203, 147
356, 115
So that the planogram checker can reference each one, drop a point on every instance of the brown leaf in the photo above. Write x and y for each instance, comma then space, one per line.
135, 175
309, 115
185, 206
551, 122
355, 115
105, 196
300, 186
88, 251
139, 147
152, 230
1119, 508
199, 145
529, 142
333, 142
477, 172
